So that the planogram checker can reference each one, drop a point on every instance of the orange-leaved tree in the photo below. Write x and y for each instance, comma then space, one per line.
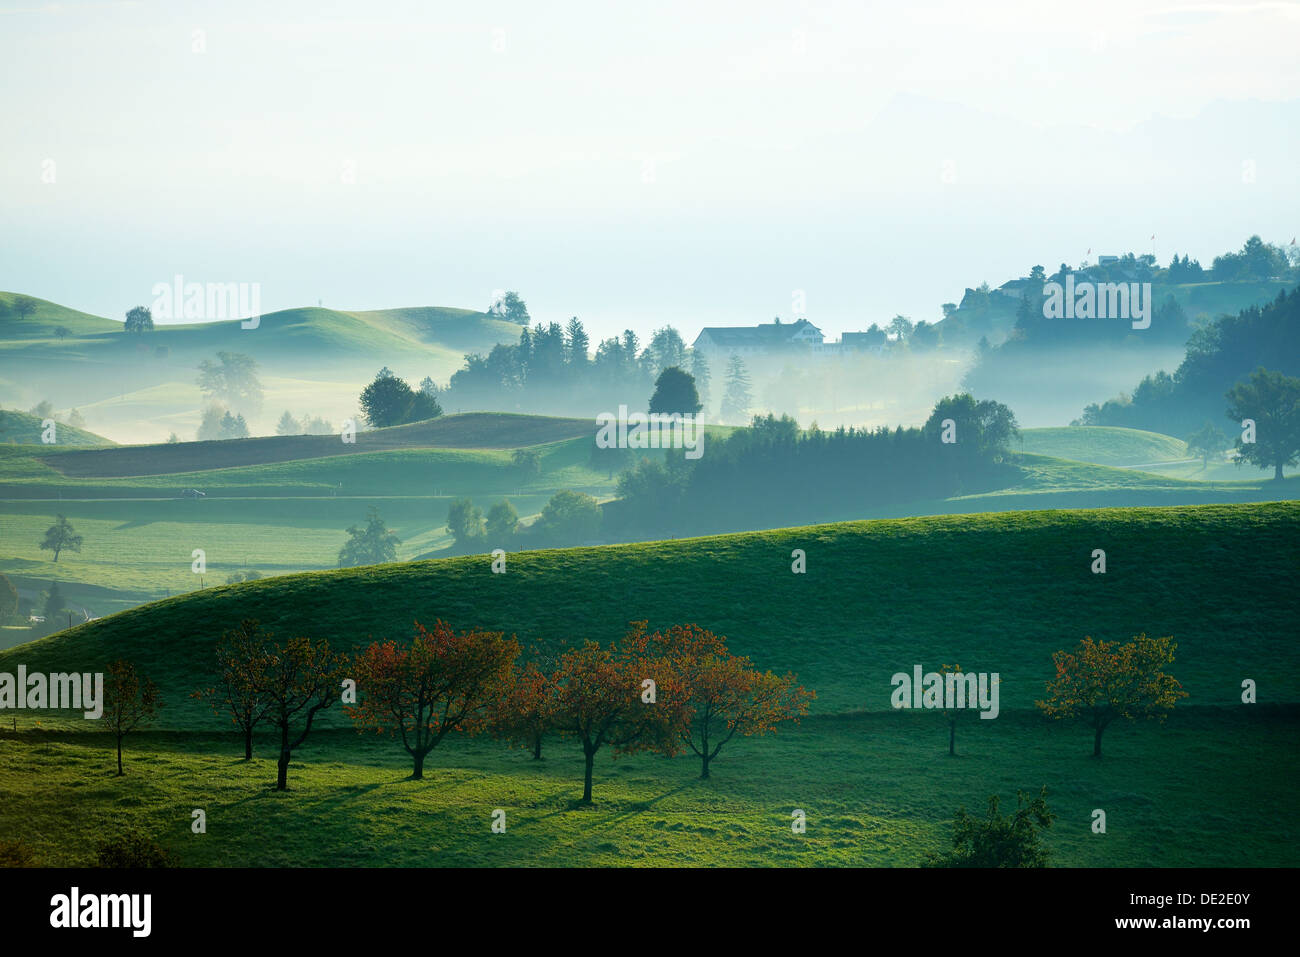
602, 697
522, 712
722, 694
439, 682
1100, 681
297, 679
238, 652
129, 699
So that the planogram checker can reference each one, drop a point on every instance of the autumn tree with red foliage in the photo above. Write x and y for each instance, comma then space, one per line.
599, 697
442, 681
522, 713
1103, 680
297, 680
721, 694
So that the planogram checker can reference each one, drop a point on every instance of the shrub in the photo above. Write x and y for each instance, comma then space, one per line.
17, 854
999, 840
132, 849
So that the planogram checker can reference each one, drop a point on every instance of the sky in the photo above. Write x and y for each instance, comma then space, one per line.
635, 165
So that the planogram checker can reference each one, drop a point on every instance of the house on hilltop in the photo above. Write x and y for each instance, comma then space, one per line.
873, 340
1013, 288
763, 339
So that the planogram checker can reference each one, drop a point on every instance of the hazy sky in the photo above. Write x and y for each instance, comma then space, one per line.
693, 163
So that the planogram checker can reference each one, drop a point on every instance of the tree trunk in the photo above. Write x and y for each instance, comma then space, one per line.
586, 787
1277, 474
119, 756
537, 748
282, 766
248, 744
417, 774
704, 765
1096, 744
952, 739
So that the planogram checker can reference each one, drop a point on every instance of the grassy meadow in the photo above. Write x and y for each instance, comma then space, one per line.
997, 592
1210, 788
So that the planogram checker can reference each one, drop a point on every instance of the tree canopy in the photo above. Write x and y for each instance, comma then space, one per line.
1271, 401
675, 393
372, 544
389, 401
1100, 681
138, 320
61, 536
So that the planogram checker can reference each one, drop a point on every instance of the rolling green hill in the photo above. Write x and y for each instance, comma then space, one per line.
312, 360
996, 592
290, 514
23, 428
1104, 446
48, 317
1149, 452
273, 518
302, 332
481, 430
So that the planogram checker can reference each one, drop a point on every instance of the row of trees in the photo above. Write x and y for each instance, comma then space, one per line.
663, 691
390, 401
552, 369
218, 422
568, 518
1218, 356
307, 425
1098, 683
775, 473
670, 691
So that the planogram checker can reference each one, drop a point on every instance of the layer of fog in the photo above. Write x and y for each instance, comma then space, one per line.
149, 401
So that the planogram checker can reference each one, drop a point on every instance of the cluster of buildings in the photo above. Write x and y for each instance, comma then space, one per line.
777, 337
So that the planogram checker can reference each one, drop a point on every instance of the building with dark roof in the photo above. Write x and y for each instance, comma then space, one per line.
762, 339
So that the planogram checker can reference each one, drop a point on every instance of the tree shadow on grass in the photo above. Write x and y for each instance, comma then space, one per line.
630, 808
598, 825
134, 523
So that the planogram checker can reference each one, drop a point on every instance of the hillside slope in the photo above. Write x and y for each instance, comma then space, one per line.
48, 317
474, 430
140, 388
1100, 445
321, 331
993, 592
23, 428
